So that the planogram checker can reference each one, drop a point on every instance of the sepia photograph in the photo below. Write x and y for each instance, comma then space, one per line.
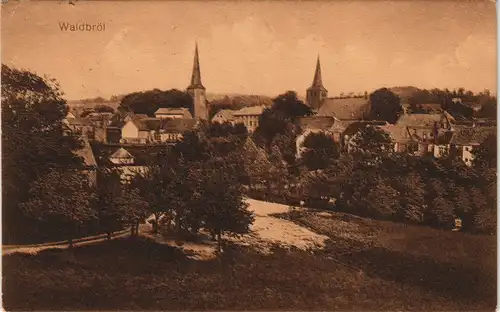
249, 155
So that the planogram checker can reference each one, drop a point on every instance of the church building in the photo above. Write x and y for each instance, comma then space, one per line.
197, 90
316, 93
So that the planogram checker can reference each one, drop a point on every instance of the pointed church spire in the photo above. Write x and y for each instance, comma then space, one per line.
196, 75
317, 82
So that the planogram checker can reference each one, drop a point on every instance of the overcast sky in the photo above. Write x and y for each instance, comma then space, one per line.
254, 47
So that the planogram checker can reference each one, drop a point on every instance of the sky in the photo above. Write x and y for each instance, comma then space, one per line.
254, 47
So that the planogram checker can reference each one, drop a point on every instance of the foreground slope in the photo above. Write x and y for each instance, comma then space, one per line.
365, 265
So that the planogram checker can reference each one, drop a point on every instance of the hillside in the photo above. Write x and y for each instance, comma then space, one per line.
365, 265
233, 100
404, 93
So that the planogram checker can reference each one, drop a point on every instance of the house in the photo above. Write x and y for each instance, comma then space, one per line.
465, 139
223, 116
89, 163
122, 157
316, 124
129, 160
136, 131
165, 112
352, 130
443, 120
80, 126
156, 130
70, 115
249, 117
130, 115
345, 109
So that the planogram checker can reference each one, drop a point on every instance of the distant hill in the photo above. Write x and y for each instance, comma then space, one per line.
236, 101
404, 93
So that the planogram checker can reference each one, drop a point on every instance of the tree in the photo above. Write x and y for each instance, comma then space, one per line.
34, 141
373, 141
290, 106
104, 109
148, 102
223, 210
321, 149
62, 198
280, 118
412, 197
132, 208
385, 105
108, 189
381, 200
485, 155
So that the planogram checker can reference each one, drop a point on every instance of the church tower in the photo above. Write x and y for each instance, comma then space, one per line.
316, 93
197, 90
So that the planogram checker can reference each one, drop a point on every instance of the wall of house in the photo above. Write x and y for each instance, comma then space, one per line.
170, 137
440, 150
465, 153
169, 116
251, 122
130, 131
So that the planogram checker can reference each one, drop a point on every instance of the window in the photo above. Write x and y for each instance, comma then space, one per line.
442, 150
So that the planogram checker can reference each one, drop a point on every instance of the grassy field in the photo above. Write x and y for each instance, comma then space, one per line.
367, 265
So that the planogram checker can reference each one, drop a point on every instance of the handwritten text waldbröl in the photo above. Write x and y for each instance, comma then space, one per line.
81, 27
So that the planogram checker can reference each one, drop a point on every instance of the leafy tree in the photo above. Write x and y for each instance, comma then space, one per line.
412, 197
385, 105
63, 198
485, 155
320, 151
271, 123
108, 190
290, 106
148, 102
381, 201
280, 118
372, 140
224, 210
104, 109
33, 141
132, 208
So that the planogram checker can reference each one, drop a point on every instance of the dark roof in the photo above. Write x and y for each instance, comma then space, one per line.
174, 111
345, 109
142, 154
426, 120
472, 135
87, 154
397, 133
78, 122
316, 122
354, 127
166, 124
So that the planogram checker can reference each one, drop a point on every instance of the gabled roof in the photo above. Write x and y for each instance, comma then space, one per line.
87, 154
251, 110
397, 133
121, 154
225, 115
426, 120
174, 111
472, 135
345, 109
176, 125
317, 122
142, 154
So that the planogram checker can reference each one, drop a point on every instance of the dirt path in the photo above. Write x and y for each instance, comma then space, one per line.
266, 232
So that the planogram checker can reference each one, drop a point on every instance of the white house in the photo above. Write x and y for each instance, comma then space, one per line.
167, 112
